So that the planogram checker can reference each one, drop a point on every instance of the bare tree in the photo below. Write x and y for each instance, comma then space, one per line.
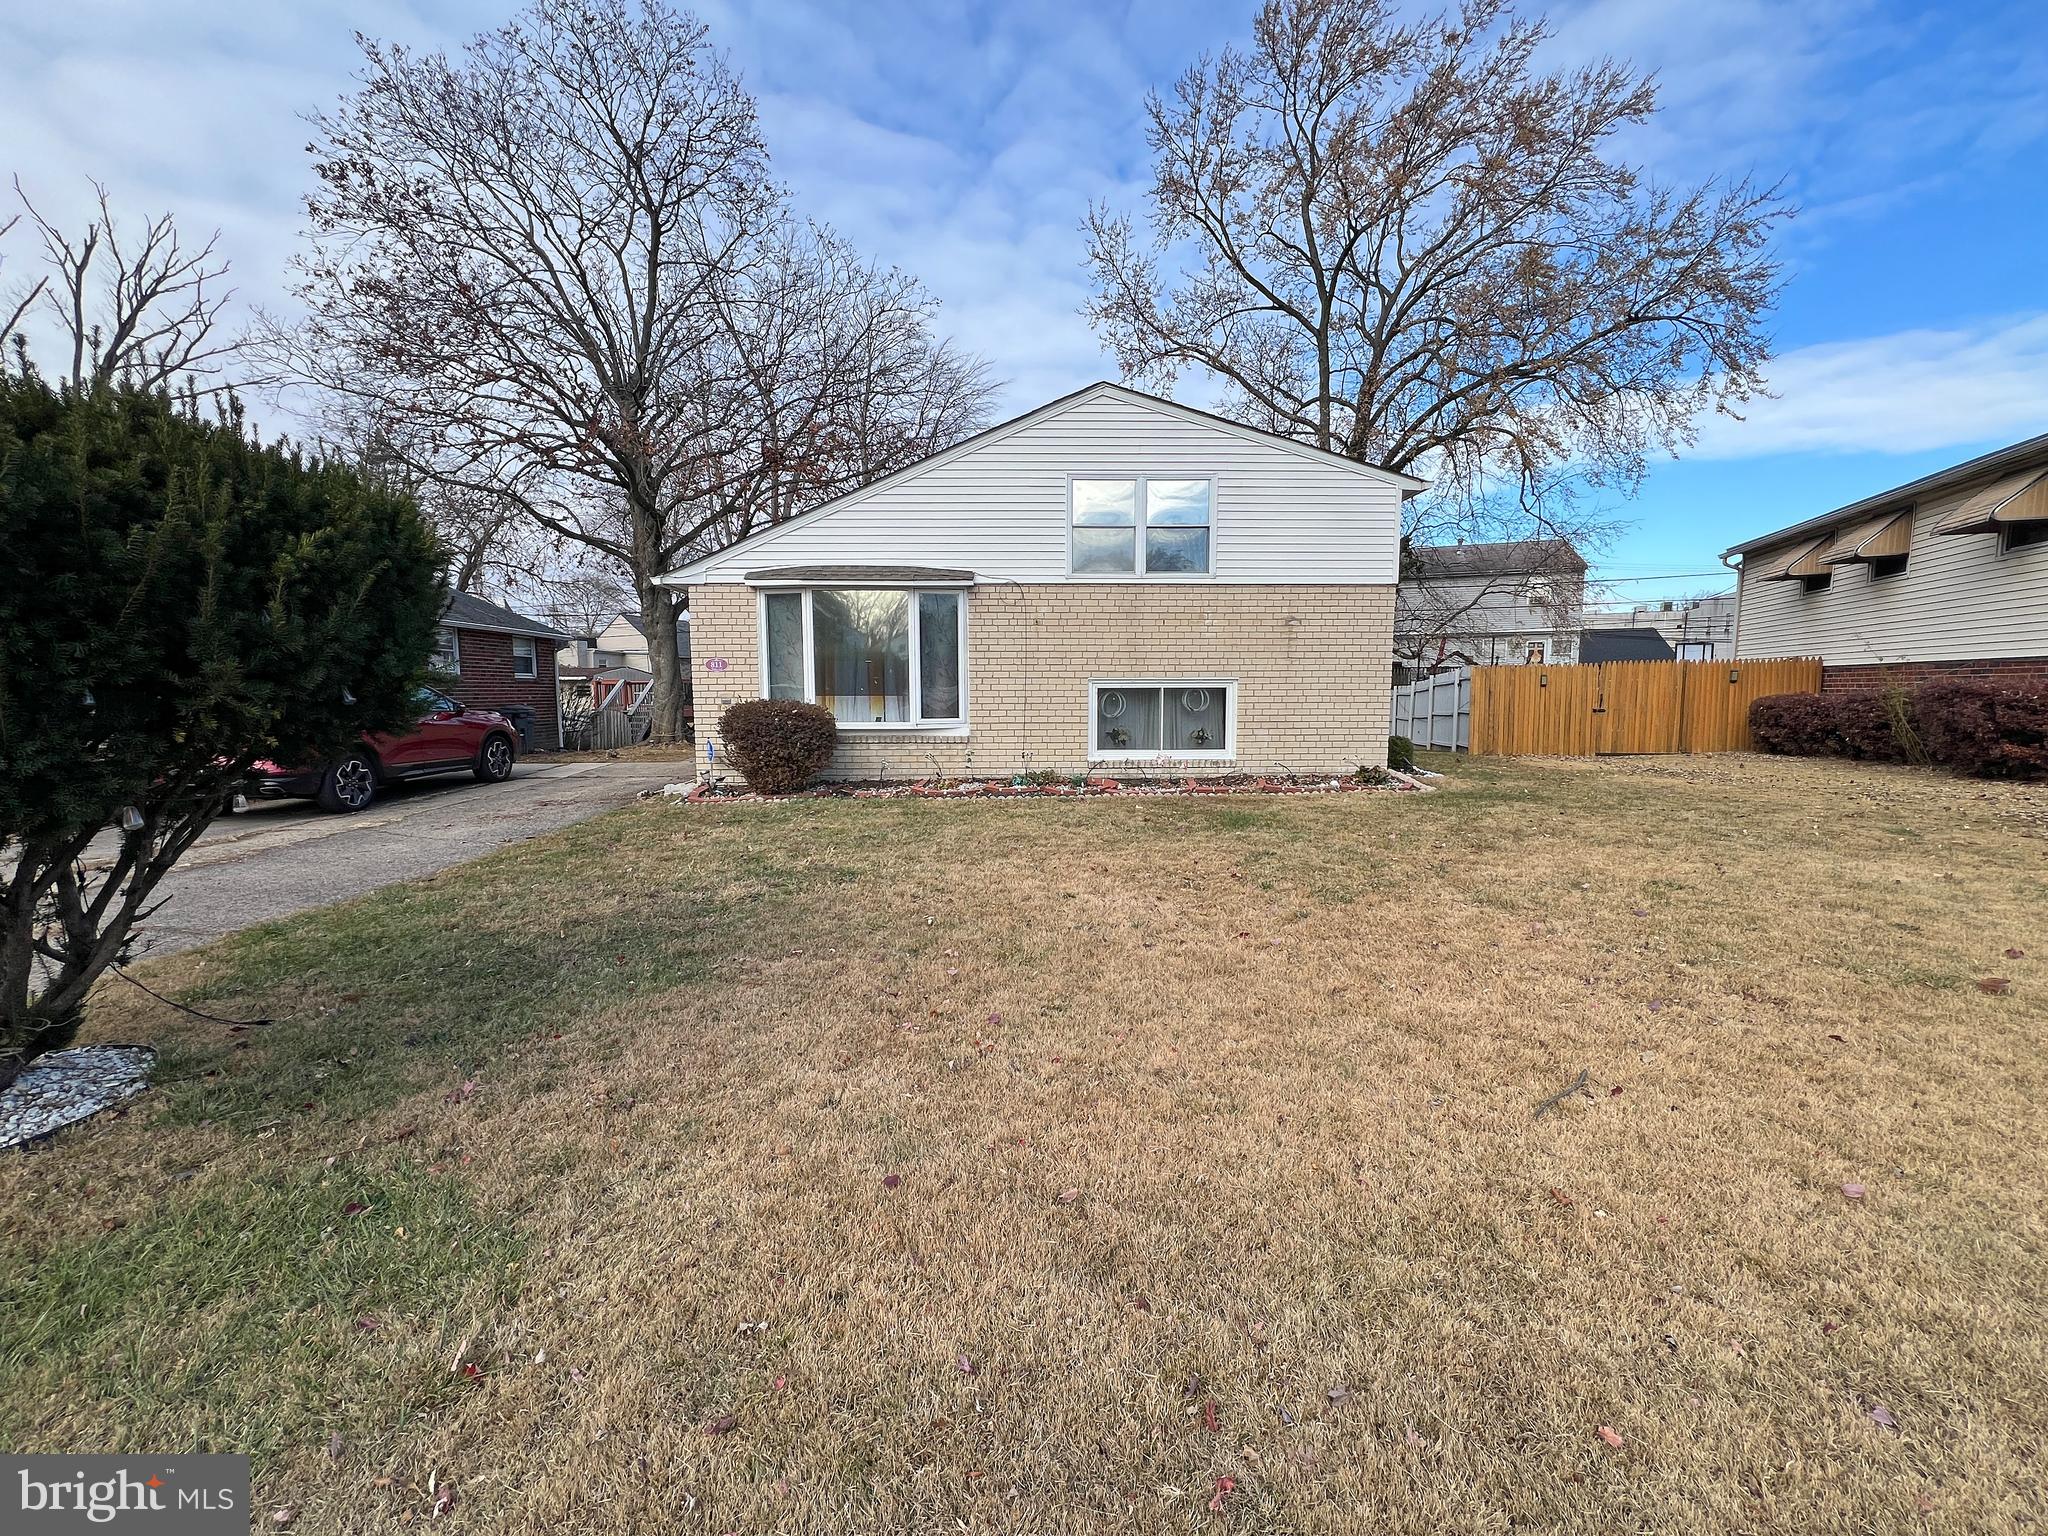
145, 311
1408, 244
557, 256
583, 600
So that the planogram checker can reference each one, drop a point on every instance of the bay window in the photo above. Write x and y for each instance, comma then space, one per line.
1139, 525
1173, 719
874, 656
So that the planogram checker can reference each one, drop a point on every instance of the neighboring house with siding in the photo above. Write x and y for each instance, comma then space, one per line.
1945, 576
1697, 628
1113, 580
495, 658
1489, 604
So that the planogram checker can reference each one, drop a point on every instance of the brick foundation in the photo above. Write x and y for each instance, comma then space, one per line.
1311, 665
2015, 671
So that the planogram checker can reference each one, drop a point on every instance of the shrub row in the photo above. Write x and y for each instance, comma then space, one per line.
1969, 727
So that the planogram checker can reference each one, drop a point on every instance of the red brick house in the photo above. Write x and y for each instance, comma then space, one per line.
499, 659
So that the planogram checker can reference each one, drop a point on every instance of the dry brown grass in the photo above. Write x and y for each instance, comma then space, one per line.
1213, 1122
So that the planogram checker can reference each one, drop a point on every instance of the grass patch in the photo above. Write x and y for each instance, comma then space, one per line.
1034, 1166
255, 1315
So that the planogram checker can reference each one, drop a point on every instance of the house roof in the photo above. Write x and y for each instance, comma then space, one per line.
631, 621
465, 610
1623, 645
1102, 387
1516, 557
2007, 460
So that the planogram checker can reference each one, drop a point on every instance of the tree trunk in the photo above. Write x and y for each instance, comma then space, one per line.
665, 696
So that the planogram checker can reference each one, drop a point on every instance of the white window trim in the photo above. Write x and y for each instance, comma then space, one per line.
920, 726
532, 655
1227, 753
1138, 572
454, 667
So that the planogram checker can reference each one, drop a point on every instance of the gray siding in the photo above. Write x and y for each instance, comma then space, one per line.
999, 509
1960, 598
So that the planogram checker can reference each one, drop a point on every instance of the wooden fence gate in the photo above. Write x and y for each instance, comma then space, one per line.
1627, 706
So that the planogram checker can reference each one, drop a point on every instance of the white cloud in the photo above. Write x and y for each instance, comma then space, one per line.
1904, 393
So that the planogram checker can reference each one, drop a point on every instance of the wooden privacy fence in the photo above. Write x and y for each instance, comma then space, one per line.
1626, 706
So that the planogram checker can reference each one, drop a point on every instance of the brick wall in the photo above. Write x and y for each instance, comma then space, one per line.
2028, 671
1312, 665
486, 680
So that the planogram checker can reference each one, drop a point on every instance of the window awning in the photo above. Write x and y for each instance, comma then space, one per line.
1874, 538
2021, 498
1796, 562
858, 576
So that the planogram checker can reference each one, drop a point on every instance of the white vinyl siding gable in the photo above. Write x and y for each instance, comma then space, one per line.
1961, 597
1279, 514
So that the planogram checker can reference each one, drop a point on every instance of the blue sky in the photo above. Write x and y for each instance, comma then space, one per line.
962, 141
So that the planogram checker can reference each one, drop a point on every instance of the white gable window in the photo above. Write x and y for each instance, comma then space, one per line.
1139, 525
525, 662
877, 657
446, 656
1162, 719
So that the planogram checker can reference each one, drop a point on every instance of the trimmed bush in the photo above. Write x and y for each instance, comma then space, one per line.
1985, 731
1401, 754
1864, 724
778, 745
1796, 724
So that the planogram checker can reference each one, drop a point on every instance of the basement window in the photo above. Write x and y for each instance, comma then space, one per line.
1168, 719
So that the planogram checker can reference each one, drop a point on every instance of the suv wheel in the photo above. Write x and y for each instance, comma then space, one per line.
350, 784
494, 760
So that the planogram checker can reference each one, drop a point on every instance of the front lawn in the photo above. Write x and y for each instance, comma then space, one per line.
1122, 1165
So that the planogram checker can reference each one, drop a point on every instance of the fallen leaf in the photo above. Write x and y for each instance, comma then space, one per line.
444, 1500
463, 1090
1560, 1197
473, 1371
1830, 1327
1607, 1433
1338, 1394
1853, 1191
1210, 1418
890, 1181
367, 1324
1923, 1503
724, 1424
1614, 1092
1224, 1487
1411, 1438
354, 1208
966, 1366
1069, 1196
1838, 1039
380, 1482
2015, 954
335, 1447
284, 1516
1882, 1415
1997, 986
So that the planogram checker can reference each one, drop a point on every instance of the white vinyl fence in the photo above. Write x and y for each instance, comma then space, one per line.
1436, 713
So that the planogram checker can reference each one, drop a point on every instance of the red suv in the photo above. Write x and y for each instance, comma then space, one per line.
447, 739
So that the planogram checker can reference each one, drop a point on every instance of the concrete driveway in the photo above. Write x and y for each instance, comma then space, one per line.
286, 856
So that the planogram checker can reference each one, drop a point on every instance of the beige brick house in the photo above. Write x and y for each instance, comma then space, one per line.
1112, 581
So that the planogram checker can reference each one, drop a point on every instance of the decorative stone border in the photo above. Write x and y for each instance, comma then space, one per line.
65, 1087
1092, 787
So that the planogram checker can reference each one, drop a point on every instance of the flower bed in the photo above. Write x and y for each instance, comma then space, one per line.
1043, 787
